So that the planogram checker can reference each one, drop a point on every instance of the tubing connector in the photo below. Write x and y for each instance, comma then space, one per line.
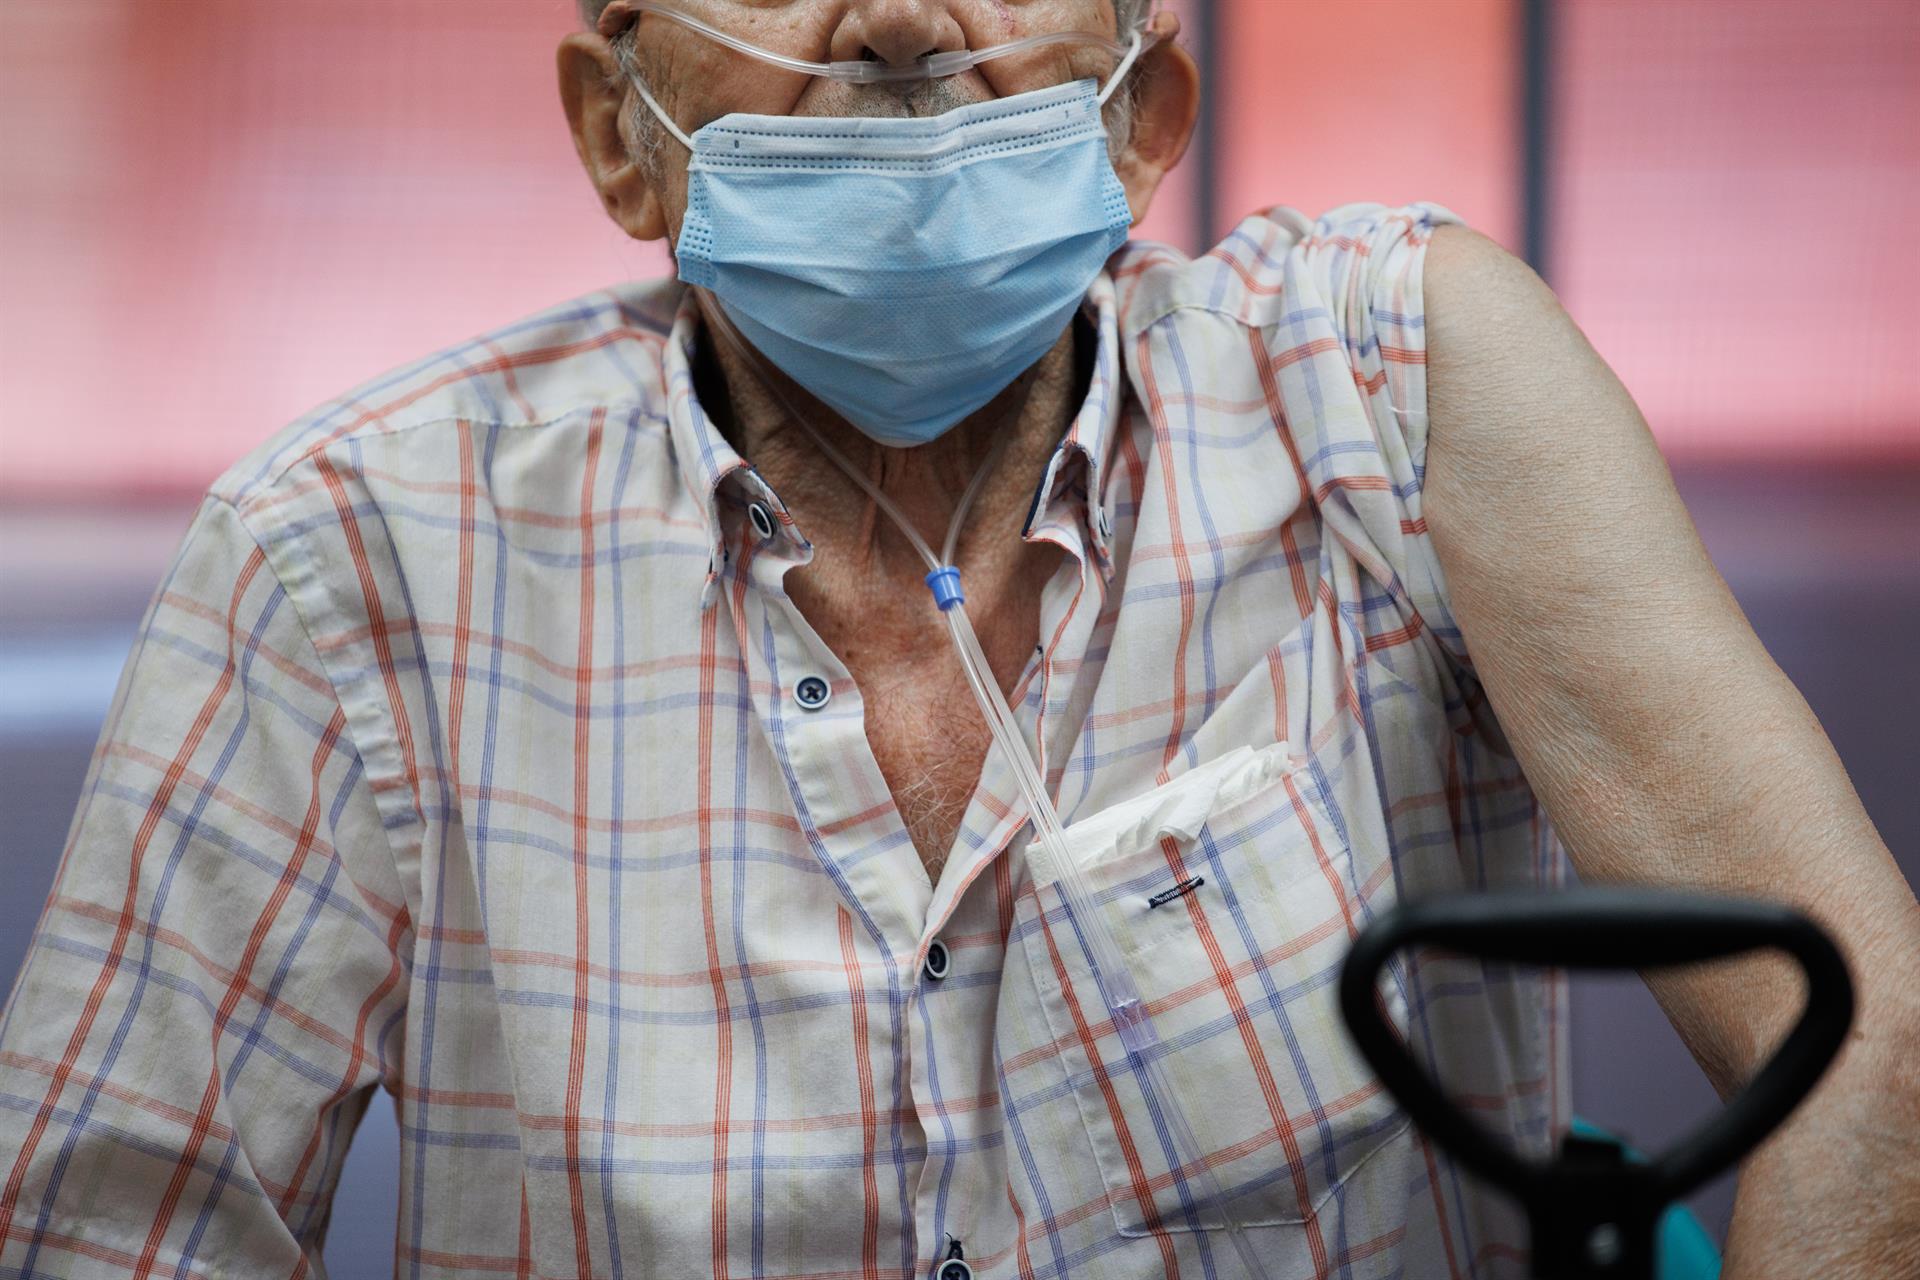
945, 582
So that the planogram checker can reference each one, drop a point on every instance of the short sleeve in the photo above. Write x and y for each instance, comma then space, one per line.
216, 985
1353, 380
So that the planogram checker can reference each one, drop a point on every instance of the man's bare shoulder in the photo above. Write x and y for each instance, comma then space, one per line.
1495, 331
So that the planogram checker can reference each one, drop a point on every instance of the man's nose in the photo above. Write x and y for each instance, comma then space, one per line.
896, 31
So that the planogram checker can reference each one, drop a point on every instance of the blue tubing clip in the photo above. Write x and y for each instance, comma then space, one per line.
946, 587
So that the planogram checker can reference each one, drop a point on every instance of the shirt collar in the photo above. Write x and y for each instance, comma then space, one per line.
1059, 501
711, 469
714, 474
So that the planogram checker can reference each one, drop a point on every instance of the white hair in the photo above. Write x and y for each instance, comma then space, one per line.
648, 134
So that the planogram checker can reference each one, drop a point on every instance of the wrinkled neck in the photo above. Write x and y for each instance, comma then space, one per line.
926, 481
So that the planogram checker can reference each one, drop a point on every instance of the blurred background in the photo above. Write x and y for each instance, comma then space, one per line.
215, 214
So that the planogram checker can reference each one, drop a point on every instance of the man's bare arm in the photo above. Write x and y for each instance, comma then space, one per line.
1666, 745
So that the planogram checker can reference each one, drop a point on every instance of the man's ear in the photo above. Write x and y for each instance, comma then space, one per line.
593, 92
1166, 102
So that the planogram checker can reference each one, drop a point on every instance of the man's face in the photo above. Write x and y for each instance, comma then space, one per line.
697, 80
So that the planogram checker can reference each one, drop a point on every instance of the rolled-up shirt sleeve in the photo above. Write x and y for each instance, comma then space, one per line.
217, 982
1352, 373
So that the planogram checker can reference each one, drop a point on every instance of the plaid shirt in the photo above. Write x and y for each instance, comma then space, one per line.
473, 749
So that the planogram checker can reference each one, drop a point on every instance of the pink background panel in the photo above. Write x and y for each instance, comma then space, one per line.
1331, 101
1736, 205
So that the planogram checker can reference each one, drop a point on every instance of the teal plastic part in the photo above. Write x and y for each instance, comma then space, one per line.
1682, 1248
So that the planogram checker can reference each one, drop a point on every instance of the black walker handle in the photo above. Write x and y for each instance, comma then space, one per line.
1592, 1214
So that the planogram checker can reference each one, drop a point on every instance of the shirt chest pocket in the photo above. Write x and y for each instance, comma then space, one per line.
1226, 894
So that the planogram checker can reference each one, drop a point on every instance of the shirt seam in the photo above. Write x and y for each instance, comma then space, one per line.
333, 685
248, 495
1172, 307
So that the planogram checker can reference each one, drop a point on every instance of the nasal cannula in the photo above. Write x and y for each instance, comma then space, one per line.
928, 67
1131, 1020
932, 66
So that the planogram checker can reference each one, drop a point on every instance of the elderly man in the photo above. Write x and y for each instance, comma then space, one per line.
560, 732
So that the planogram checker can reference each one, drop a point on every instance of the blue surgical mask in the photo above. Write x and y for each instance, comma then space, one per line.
905, 270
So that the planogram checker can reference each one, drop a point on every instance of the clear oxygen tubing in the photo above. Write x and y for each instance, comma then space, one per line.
1131, 1020
930, 66
924, 69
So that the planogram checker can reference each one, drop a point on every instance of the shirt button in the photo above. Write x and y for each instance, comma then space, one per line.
936, 966
1100, 522
955, 1269
812, 693
762, 519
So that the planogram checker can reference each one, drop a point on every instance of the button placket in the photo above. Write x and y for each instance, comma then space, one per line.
828, 762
